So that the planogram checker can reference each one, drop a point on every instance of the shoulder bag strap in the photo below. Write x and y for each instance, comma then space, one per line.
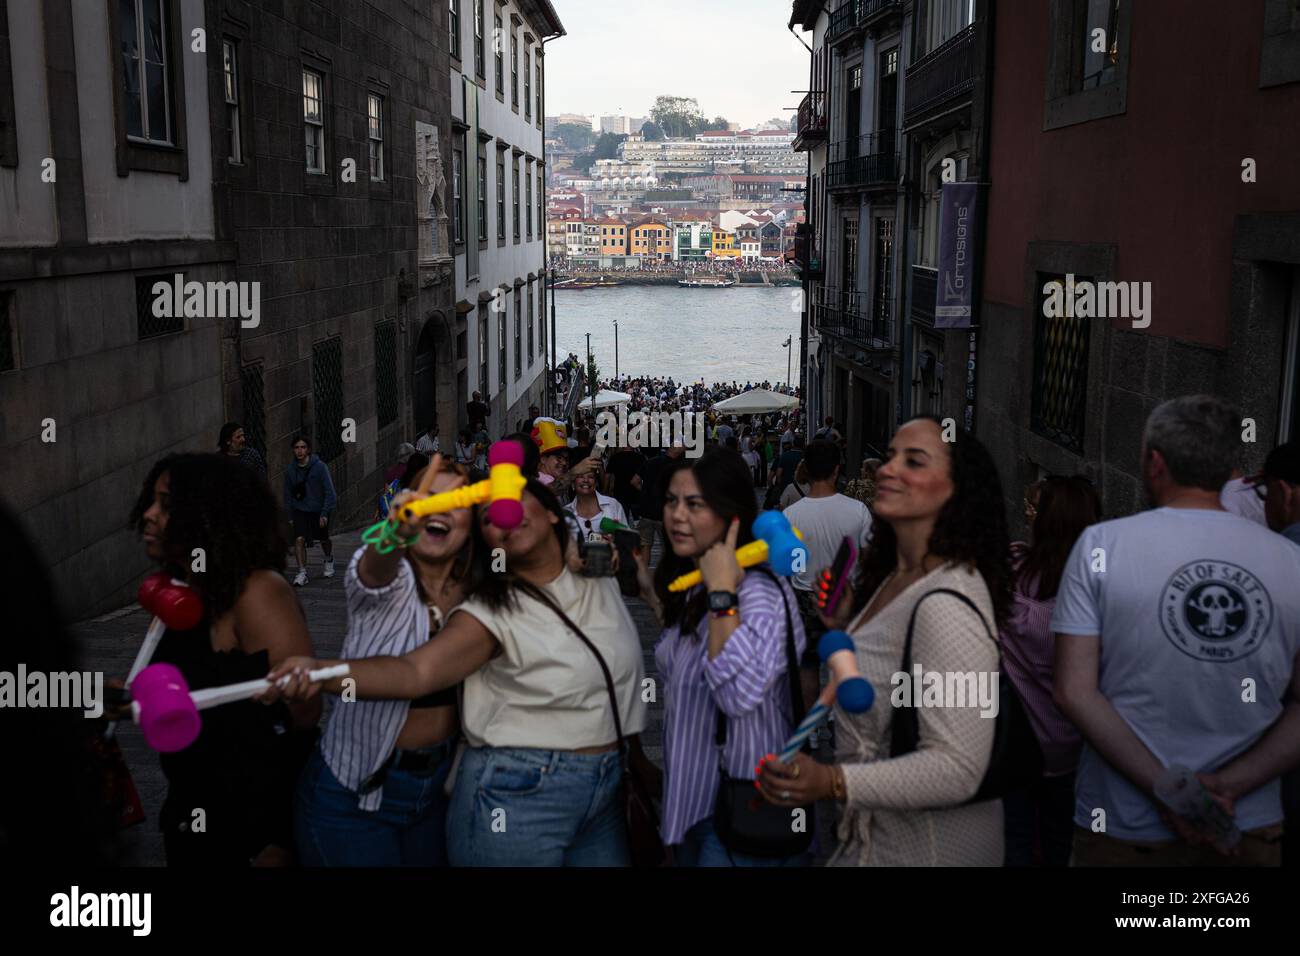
904, 729
791, 666
542, 597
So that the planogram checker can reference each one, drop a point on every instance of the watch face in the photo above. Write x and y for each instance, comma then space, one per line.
721, 600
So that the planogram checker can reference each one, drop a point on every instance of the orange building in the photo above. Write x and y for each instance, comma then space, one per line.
651, 237
613, 237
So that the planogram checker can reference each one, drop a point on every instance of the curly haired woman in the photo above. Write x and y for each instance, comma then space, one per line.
941, 525
238, 777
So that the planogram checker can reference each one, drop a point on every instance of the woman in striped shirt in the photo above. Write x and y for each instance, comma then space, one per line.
372, 794
733, 661
1042, 816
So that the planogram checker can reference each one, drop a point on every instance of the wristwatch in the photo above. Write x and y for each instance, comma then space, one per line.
723, 602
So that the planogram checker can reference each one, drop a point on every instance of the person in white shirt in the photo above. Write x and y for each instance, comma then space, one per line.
1177, 639
589, 506
427, 443
824, 517
1240, 496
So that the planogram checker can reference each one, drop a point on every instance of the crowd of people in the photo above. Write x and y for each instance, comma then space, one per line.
494, 702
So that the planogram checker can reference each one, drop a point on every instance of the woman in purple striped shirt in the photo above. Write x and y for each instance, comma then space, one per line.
1042, 816
731, 660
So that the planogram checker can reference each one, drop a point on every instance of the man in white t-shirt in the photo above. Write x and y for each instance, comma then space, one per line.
1177, 634
824, 518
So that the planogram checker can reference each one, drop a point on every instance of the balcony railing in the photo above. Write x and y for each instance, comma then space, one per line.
853, 14
925, 285
941, 75
869, 161
807, 257
868, 322
812, 121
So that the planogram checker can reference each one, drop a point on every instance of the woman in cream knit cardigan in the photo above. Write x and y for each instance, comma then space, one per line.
942, 525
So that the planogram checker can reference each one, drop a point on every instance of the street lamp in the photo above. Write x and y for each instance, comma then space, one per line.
616, 348
788, 353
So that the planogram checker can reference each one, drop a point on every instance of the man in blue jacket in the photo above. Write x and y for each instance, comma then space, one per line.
308, 500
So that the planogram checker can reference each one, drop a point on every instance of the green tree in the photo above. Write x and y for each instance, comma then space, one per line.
593, 377
652, 132
677, 116
607, 145
718, 123
575, 136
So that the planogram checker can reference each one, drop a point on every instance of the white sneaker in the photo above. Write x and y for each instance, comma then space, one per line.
301, 579
329, 567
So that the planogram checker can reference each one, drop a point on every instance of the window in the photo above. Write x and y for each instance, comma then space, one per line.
386, 372
149, 322
458, 194
327, 390
501, 345
884, 277
1087, 62
1060, 368
253, 416
230, 69
8, 135
498, 41
514, 177
1100, 52
313, 118
541, 321
519, 336
538, 66
479, 68
143, 35
453, 27
528, 88
375, 134
528, 203
482, 198
501, 195
539, 198
530, 324
514, 69
484, 385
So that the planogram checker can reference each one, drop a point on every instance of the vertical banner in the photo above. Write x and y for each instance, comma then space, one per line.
957, 210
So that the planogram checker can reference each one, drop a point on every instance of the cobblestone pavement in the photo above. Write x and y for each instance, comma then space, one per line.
109, 644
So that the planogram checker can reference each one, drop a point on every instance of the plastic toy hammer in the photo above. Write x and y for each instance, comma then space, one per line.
168, 711
504, 488
847, 685
777, 542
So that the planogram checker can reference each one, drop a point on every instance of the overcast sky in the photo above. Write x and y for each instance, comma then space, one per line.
735, 56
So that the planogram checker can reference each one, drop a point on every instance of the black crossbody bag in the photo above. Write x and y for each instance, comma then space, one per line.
744, 821
1016, 759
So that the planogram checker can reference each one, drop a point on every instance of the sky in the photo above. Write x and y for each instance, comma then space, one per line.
735, 56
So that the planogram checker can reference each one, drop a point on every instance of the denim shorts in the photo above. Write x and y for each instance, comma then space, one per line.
523, 807
408, 829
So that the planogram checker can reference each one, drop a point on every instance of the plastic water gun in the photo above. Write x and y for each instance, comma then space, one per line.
168, 711
777, 541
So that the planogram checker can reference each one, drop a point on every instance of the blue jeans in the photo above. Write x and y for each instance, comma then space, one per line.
703, 848
523, 807
408, 829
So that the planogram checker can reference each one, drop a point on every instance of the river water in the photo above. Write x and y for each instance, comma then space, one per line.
713, 334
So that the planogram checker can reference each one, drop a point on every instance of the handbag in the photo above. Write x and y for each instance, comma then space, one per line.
1016, 759
645, 845
743, 820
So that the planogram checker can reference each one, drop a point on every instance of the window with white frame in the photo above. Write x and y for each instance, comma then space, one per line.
528, 205
530, 323
145, 49
375, 134
458, 194
479, 68
519, 338
501, 195
230, 70
498, 53
313, 119
514, 178
453, 27
514, 68
528, 87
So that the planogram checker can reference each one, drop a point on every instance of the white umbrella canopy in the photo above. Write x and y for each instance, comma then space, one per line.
604, 399
756, 401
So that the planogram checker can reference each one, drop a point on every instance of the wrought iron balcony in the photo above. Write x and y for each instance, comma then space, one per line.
869, 162
939, 77
925, 286
865, 321
807, 257
855, 14
811, 128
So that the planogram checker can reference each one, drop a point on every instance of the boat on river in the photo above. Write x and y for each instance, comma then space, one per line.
707, 282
